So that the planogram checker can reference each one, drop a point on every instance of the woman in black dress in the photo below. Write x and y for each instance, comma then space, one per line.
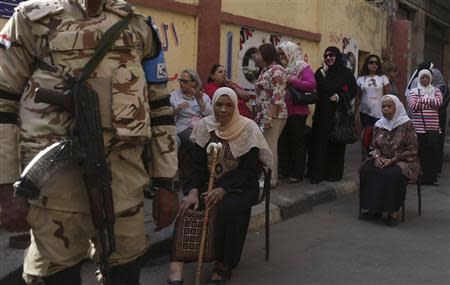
333, 80
236, 189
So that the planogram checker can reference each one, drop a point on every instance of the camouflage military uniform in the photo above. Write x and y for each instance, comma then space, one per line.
42, 42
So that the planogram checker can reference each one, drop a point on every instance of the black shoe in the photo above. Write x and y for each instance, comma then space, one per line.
391, 221
224, 274
175, 282
369, 216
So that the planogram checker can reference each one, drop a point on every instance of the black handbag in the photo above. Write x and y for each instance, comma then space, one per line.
344, 128
301, 97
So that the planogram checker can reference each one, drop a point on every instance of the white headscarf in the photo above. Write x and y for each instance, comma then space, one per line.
400, 117
241, 133
427, 91
296, 64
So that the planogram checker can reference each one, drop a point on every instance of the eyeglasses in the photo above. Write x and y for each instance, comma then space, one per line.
184, 80
373, 62
329, 55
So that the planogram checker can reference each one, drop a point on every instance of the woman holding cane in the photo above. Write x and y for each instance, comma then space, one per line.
235, 191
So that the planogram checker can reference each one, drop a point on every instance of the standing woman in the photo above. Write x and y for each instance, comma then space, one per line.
372, 86
333, 80
390, 70
424, 101
270, 105
218, 78
292, 149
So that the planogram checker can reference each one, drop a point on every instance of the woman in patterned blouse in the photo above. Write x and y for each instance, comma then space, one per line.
271, 111
394, 161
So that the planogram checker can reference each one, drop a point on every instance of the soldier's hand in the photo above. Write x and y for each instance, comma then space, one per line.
165, 208
13, 210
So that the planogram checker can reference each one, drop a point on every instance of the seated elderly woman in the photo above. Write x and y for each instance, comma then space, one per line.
394, 161
190, 105
236, 187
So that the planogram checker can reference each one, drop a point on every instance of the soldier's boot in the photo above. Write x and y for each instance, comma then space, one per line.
68, 276
127, 274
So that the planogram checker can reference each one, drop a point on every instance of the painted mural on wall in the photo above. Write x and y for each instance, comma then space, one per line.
349, 48
350, 51
250, 40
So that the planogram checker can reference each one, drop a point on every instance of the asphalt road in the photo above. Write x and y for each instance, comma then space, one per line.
331, 246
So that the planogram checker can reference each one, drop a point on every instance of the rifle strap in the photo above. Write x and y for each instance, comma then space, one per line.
103, 47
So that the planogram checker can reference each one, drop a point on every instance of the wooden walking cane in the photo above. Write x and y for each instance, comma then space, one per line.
215, 149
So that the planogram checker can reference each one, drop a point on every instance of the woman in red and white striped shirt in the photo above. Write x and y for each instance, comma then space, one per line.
424, 102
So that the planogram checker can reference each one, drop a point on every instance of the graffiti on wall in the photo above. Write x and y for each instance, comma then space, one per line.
337, 38
164, 31
250, 40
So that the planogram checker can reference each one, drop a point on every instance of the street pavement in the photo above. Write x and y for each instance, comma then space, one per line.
329, 245
324, 245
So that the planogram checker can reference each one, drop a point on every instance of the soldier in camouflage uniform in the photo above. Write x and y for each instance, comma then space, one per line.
43, 41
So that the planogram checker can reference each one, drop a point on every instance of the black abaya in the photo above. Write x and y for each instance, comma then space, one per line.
327, 159
381, 189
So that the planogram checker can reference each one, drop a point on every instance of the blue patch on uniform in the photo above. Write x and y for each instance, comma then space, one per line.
155, 68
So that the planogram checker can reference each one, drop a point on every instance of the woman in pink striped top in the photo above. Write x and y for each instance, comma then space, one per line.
424, 102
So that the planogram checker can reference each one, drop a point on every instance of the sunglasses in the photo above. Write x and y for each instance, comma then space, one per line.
184, 80
372, 62
329, 55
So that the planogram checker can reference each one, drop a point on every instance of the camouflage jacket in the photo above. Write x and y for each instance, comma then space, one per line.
46, 40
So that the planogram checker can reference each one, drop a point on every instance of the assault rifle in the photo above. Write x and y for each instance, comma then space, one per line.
85, 144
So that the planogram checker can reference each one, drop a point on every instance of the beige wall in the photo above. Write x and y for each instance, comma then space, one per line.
181, 54
2, 22
300, 14
334, 19
354, 19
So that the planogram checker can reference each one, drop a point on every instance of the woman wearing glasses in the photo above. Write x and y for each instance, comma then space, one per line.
334, 80
372, 86
190, 105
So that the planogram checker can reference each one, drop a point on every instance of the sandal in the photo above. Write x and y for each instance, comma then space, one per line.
224, 274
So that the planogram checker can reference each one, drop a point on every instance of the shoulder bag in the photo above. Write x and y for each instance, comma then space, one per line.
301, 97
344, 128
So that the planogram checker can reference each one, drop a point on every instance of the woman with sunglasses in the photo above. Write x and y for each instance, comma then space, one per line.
190, 105
372, 86
334, 80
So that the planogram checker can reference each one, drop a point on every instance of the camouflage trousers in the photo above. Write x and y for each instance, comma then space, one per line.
60, 240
